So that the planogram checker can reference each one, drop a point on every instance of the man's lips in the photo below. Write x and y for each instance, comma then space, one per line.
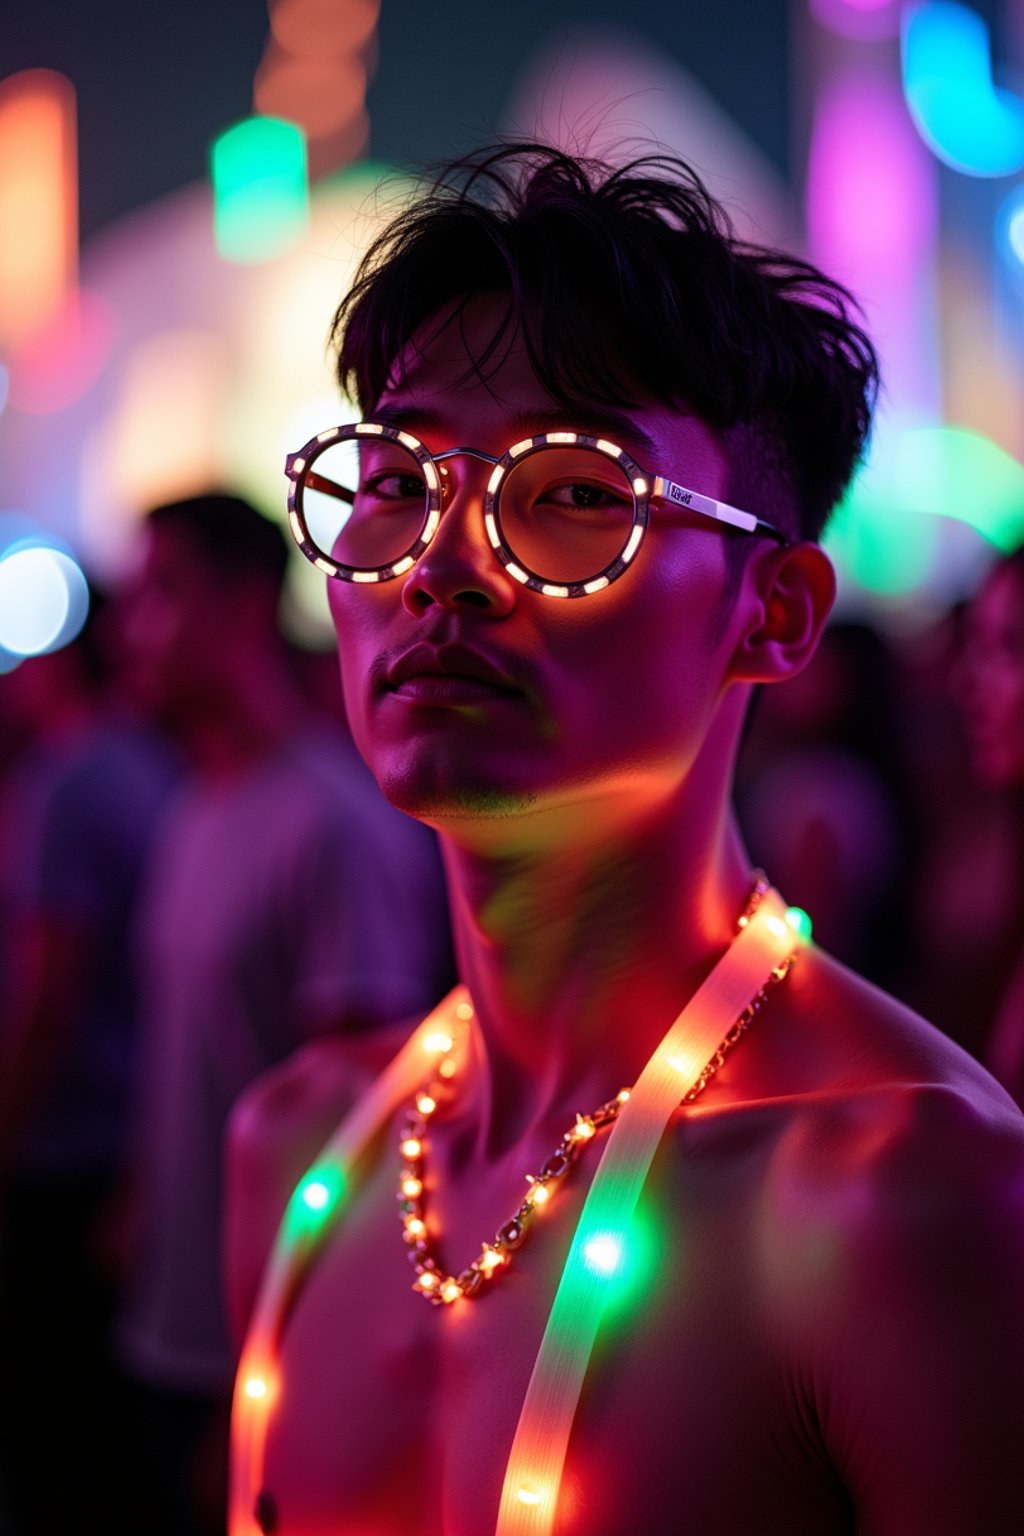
449, 672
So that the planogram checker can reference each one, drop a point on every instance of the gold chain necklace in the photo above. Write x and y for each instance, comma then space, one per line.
432, 1282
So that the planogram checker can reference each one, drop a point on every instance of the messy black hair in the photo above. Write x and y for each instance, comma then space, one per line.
628, 283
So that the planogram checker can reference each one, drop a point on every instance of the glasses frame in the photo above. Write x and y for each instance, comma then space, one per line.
646, 488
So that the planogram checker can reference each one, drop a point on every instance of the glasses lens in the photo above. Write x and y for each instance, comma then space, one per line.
364, 501
566, 513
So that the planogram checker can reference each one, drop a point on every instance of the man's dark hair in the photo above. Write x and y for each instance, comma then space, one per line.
232, 536
628, 282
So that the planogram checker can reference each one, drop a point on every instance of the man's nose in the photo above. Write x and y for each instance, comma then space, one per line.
459, 569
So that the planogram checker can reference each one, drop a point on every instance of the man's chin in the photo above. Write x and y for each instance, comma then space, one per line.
453, 803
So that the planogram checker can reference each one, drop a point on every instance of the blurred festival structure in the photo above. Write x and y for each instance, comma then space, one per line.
186, 347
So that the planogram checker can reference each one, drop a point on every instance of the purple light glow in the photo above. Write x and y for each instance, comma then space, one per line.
862, 20
872, 220
871, 200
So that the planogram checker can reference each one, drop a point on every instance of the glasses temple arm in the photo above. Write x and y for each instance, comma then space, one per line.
707, 506
315, 482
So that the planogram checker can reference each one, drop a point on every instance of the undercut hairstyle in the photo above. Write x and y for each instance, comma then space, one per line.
628, 283
229, 533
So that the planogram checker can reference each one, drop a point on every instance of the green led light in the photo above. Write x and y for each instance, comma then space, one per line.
260, 189
799, 921
602, 1254
313, 1201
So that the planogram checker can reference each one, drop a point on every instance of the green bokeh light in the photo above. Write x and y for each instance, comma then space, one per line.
799, 921
887, 533
260, 189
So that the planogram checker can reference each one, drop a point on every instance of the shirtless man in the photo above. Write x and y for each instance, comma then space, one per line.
825, 1332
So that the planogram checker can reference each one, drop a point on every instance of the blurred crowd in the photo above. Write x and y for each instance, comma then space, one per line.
197, 875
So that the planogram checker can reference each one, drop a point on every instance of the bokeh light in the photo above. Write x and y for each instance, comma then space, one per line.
44, 599
861, 20
260, 189
968, 121
313, 28
38, 200
65, 356
323, 94
1010, 227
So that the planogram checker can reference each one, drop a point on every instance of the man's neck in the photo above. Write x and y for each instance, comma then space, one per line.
579, 957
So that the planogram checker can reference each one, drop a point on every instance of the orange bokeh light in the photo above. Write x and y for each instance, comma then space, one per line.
38, 201
311, 28
321, 95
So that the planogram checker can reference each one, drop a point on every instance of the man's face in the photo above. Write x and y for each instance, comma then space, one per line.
990, 681
602, 698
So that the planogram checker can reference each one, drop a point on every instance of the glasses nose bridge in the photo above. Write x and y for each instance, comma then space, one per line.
447, 488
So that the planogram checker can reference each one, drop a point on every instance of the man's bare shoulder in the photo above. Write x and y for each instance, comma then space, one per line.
890, 1250
829, 1033
277, 1127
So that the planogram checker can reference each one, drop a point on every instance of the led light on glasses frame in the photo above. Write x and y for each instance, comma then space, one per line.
365, 501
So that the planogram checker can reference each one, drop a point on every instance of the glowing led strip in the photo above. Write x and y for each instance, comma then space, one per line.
309, 1215
533, 1475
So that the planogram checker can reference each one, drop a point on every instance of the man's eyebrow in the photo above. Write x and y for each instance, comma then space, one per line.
602, 422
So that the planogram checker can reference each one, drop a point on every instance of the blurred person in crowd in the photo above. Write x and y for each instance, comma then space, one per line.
79, 807
823, 799
287, 901
575, 527
988, 684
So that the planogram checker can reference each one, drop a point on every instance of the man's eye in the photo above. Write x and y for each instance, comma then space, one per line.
583, 496
393, 485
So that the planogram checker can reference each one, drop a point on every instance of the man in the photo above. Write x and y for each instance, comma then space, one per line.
826, 1334
286, 900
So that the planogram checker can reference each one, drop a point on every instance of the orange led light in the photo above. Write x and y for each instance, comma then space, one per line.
437, 1043
415, 1227
490, 1259
411, 1147
451, 1291
425, 1104
256, 1387
412, 1188
528, 1496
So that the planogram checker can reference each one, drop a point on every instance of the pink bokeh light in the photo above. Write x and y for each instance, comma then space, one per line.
65, 357
861, 20
872, 222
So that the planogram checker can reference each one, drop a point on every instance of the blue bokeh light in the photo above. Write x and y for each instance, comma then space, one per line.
968, 121
44, 599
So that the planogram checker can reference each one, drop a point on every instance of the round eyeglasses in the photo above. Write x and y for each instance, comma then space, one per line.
564, 512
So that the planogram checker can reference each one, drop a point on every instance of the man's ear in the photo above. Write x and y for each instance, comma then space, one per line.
787, 594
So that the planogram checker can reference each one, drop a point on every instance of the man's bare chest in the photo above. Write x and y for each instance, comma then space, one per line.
396, 1415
